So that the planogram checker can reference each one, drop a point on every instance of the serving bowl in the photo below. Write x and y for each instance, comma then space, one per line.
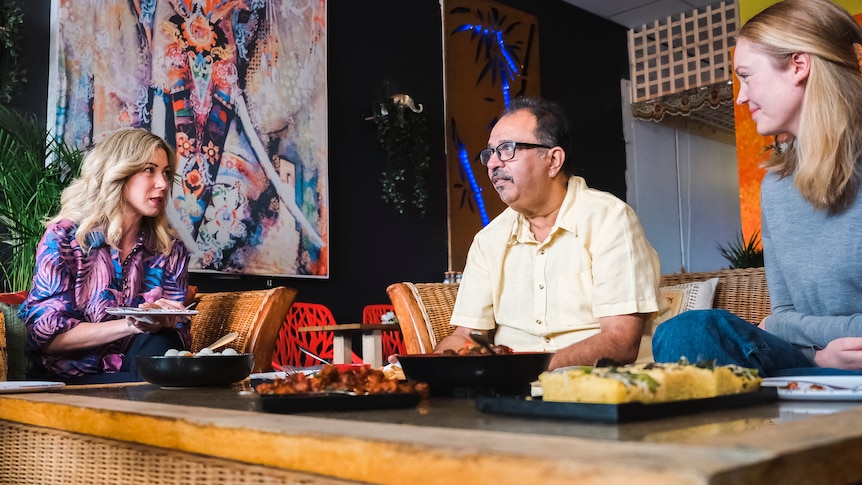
195, 371
469, 375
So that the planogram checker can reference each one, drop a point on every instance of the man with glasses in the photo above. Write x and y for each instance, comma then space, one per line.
566, 268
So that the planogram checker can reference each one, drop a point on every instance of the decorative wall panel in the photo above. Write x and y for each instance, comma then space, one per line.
239, 88
491, 55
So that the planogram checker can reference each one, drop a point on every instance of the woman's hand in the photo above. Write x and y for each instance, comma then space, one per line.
154, 323
841, 353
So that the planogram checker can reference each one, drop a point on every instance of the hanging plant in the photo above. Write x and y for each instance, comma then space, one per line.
402, 130
11, 40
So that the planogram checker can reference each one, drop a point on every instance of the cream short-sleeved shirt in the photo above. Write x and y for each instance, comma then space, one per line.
547, 295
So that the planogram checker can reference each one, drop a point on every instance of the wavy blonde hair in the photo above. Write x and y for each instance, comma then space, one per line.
95, 200
825, 154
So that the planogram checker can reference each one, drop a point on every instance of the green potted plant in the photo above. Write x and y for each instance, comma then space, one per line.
742, 253
34, 169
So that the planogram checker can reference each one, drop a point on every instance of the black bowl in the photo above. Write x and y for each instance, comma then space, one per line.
470, 375
195, 371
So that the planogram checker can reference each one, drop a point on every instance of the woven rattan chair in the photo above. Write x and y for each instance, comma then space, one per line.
423, 311
255, 314
742, 291
12, 339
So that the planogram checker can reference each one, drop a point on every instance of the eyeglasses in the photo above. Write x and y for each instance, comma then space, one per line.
505, 151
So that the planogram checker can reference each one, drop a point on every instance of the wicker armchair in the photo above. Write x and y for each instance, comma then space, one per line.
742, 291
423, 311
255, 314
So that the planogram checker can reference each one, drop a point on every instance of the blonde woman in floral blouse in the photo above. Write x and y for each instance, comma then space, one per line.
109, 246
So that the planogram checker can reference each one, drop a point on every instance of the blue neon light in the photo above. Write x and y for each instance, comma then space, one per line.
464, 158
509, 70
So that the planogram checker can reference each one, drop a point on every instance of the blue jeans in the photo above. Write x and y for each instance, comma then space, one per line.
724, 338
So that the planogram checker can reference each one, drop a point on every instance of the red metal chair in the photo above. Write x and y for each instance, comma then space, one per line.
393, 341
304, 314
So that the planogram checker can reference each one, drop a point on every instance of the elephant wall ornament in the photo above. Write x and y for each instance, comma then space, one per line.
406, 100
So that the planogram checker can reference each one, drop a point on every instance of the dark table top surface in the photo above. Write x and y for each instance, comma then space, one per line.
462, 413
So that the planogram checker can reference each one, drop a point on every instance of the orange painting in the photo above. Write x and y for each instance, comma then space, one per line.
750, 153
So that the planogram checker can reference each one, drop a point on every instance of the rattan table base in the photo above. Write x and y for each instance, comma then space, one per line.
36, 455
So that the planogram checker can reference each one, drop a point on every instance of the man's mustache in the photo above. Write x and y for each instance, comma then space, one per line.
498, 173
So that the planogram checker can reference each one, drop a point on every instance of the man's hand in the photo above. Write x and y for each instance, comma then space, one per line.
456, 340
841, 353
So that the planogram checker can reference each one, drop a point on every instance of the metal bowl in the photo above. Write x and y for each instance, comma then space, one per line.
194, 371
470, 375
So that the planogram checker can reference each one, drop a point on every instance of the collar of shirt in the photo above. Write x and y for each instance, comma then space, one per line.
566, 220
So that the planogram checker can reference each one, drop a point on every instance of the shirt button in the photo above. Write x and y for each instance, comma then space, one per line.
542, 252
547, 340
541, 287
538, 322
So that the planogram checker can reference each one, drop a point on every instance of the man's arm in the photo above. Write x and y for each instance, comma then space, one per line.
619, 340
456, 340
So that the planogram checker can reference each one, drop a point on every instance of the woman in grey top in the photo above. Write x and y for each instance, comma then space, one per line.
798, 64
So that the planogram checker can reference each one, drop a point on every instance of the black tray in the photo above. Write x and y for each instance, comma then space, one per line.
298, 403
618, 413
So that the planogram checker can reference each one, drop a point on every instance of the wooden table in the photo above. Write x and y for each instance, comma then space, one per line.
144, 434
342, 341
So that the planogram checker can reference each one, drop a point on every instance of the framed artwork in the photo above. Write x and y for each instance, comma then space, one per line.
239, 89
490, 56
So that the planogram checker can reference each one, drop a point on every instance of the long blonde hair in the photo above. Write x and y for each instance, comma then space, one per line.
95, 200
827, 149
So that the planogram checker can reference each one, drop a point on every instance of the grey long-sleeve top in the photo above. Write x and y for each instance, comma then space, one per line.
813, 267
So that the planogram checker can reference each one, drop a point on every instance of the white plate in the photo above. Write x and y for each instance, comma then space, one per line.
125, 311
807, 390
8, 387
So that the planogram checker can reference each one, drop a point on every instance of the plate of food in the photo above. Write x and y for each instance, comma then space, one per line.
472, 373
195, 370
126, 311
335, 388
817, 388
634, 392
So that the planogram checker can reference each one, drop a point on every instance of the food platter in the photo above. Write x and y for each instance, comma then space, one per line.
817, 388
336, 401
125, 311
617, 413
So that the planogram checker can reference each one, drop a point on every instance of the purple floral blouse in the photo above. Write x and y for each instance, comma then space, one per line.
70, 287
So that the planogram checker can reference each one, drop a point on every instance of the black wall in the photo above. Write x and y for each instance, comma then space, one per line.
381, 47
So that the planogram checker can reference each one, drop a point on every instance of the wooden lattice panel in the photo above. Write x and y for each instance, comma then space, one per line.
675, 55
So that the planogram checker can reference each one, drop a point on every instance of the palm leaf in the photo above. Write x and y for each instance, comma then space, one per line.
743, 253
34, 170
